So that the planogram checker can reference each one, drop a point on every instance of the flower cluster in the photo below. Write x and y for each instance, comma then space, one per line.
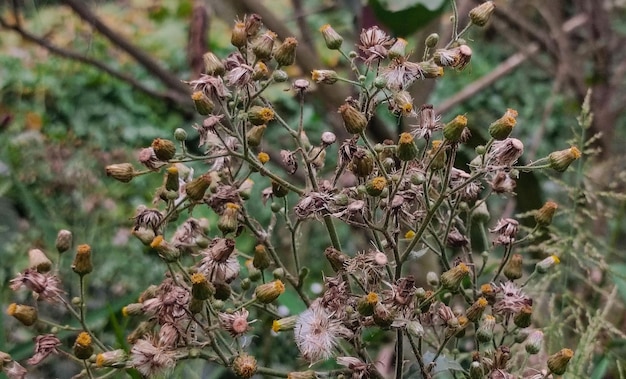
408, 196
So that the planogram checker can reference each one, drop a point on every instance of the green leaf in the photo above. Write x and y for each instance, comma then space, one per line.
618, 271
405, 17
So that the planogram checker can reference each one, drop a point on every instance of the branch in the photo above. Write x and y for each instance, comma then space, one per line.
69, 54
170, 80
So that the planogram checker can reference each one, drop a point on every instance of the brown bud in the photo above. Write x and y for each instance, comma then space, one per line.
25, 314
163, 149
82, 261
124, 172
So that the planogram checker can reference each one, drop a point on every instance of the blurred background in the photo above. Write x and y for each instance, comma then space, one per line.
84, 84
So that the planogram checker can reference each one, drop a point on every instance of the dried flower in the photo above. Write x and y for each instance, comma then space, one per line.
511, 300
45, 345
506, 229
286, 54
544, 265
324, 76
452, 278
25, 314
44, 285
513, 269
402, 103
332, 39
362, 163
534, 342
481, 14
124, 172
399, 74
64, 241
151, 359
148, 218
235, 323
354, 121
398, 49
309, 374
38, 260
114, 358
253, 24
374, 44
506, 152
543, 216
317, 333
560, 160
456, 57
503, 183
263, 46
557, 363
453, 130
83, 348
244, 366
219, 262
268, 292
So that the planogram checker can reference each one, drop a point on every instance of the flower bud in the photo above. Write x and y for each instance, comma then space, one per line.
171, 179
83, 347
534, 342
284, 324
201, 288
255, 135
383, 316
324, 76
524, 317
544, 265
260, 115
513, 268
336, 258
398, 49
431, 70
362, 163
331, 37
253, 24
38, 260
239, 36
268, 292
451, 279
354, 121
380, 82
180, 135
480, 15
557, 363
213, 65
278, 190
544, 215
476, 370
114, 358
453, 130
278, 273
124, 172
432, 279
64, 241
263, 46
260, 71
82, 260
415, 329
132, 309
365, 305
475, 311
222, 290
375, 186
196, 188
484, 333
166, 250
203, 104
244, 366
502, 127
227, 222
144, 235
437, 155
25, 314
280, 76
263, 157
481, 213
163, 149
286, 53
261, 259
432, 40
560, 160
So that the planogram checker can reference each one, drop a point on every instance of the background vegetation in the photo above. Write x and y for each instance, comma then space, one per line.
83, 85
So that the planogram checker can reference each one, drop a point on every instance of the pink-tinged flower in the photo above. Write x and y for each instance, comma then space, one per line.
150, 359
506, 230
14, 370
505, 152
45, 345
235, 323
510, 299
169, 335
219, 261
148, 218
211, 85
359, 368
169, 304
374, 44
148, 158
400, 74
44, 286
429, 122
503, 183
206, 131
317, 333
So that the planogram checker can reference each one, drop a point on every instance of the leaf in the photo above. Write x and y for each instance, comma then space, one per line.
405, 17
